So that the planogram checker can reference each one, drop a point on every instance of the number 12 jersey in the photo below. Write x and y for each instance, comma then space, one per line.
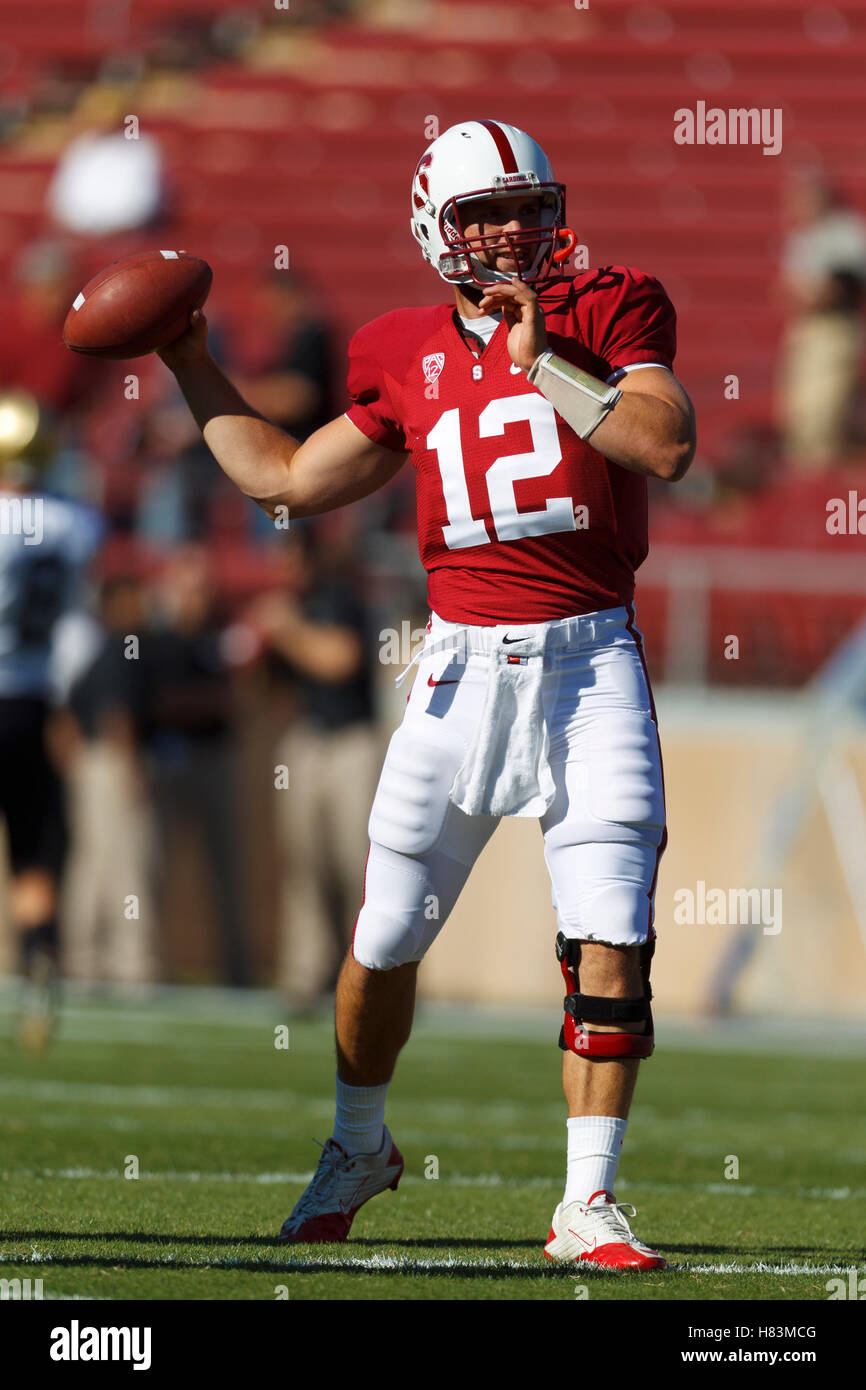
519, 520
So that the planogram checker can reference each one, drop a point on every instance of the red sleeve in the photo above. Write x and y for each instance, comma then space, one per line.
370, 388
633, 321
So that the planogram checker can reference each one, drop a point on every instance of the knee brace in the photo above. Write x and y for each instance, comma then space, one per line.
574, 1037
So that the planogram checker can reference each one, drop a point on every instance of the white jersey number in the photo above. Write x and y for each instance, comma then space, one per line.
463, 528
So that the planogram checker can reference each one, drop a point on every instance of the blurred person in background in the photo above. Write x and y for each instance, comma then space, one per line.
280, 351
189, 731
107, 182
75, 389
823, 281
32, 354
315, 629
108, 937
178, 495
46, 544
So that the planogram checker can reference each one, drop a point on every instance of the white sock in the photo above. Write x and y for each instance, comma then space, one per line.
360, 1123
594, 1146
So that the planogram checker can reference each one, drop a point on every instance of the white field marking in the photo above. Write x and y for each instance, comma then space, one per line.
408, 1264
483, 1180
322, 1110
761, 1267
72, 1297
193, 1048
199, 1039
217, 1008
641, 1141
182, 1096
124, 1125
496, 1113
405, 1264
285, 1101
116, 1021
455, 1139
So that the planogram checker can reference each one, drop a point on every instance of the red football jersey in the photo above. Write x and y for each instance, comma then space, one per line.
519, 520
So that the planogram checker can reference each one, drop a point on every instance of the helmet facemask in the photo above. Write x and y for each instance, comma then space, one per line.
538, 247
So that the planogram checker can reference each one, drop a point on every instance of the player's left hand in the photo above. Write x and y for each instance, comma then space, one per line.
527, 334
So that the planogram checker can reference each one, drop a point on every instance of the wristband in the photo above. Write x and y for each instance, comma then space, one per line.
582, 400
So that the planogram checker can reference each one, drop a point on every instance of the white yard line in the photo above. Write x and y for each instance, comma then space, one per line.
182, 1096
481, 1180
407, 1264
175, 1008
498, 1114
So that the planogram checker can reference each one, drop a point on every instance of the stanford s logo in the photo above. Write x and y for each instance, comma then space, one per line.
432, 365
421, 193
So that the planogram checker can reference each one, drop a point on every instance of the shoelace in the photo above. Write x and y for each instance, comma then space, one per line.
324, 1178
612, 1213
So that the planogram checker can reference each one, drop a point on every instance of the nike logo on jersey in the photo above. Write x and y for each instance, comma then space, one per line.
431, 682
509, 640
584, 1243
514, 369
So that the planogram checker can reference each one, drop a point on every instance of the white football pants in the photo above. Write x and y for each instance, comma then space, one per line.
604, 830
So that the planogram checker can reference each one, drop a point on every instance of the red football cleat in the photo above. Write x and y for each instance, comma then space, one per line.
596, 1232
341, 1184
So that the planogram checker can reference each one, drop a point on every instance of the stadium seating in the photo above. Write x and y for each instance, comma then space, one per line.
307, 136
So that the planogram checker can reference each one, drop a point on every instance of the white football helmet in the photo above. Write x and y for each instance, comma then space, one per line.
486, 159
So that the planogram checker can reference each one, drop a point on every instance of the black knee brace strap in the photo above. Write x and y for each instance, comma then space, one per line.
574, 1037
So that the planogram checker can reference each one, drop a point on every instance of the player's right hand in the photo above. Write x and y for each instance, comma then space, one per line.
190, 347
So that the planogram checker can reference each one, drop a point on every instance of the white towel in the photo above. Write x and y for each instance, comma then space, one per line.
506, 771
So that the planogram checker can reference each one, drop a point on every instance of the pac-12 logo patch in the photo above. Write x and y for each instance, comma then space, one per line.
432, 365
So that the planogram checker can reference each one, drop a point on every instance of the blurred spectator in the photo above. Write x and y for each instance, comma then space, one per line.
106, 183
823, 280
189, 728
107, 936
279, 358
32, 352
176, 491
279, 354
173, 477
46, 544
316, 631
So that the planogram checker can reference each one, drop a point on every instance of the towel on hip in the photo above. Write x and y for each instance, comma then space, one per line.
506, 771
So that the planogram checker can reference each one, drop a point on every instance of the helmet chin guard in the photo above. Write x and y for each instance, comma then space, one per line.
478, 160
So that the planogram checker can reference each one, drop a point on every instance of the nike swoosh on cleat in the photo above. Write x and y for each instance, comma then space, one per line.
348, 1207
430, 681
583, 1242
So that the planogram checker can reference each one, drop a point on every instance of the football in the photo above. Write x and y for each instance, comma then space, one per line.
137, 305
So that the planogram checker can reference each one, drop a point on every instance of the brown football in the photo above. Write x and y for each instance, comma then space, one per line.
137, 305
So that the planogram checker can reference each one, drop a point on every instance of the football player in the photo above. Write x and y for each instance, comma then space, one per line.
45, 545
533, 408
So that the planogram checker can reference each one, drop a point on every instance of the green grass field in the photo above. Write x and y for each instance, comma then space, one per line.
221, 1124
